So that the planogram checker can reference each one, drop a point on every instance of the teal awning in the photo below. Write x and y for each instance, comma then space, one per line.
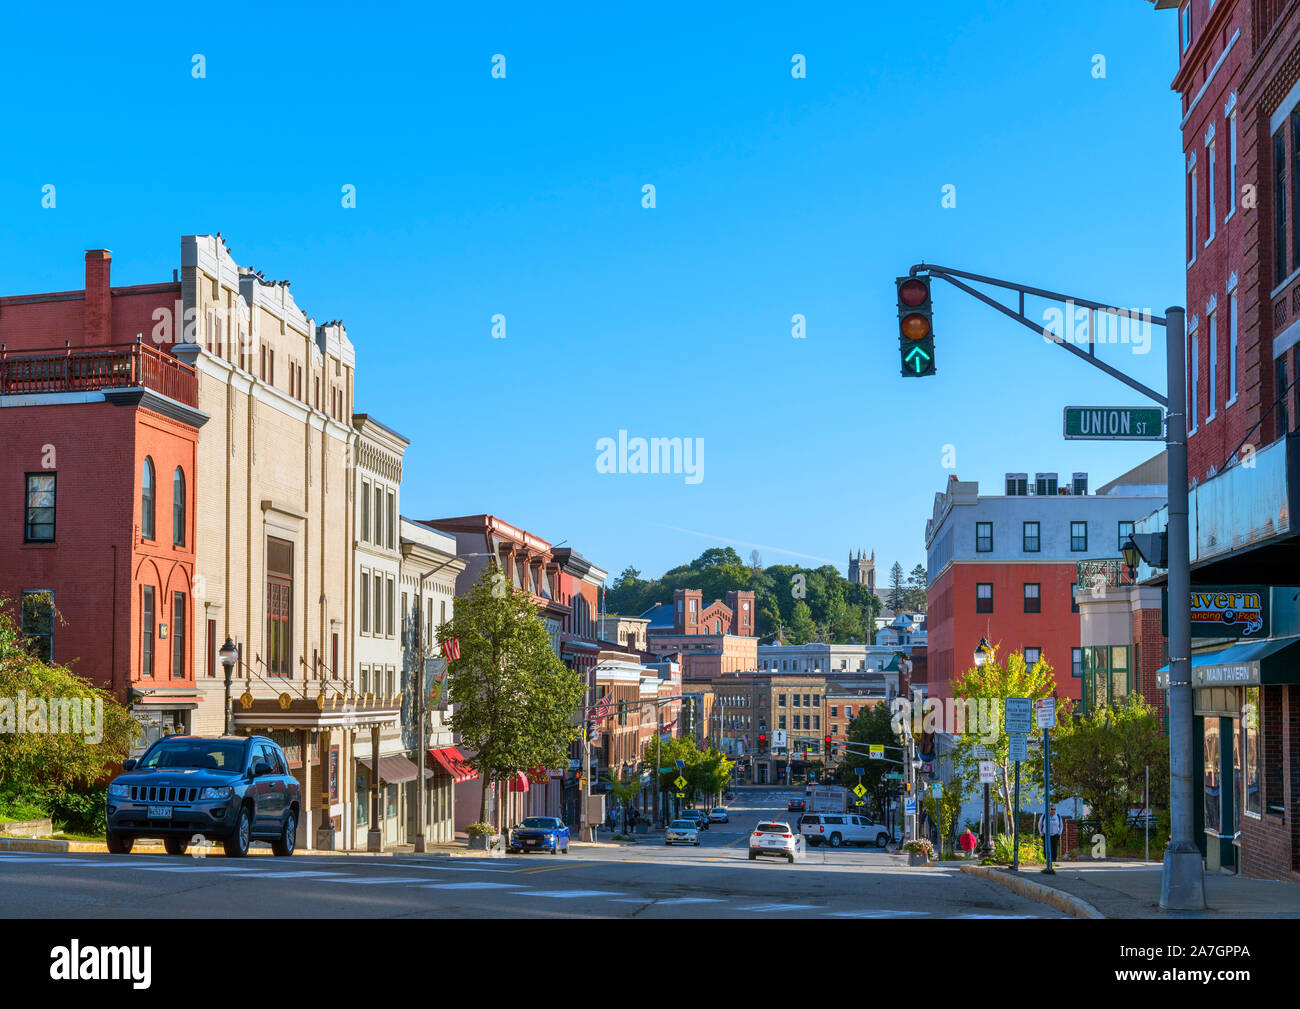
1247, 663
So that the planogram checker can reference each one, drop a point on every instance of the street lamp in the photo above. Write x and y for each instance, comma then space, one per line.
982, 653
229, 655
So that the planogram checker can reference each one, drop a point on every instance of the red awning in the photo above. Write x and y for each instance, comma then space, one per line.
519, 783
451, 761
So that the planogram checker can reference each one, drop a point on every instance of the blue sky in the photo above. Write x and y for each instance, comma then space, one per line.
522, 197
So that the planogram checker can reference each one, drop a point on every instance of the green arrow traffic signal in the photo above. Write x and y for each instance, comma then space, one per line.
918, 359
915, 326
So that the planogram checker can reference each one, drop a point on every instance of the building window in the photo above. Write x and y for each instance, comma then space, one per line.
984, 597
365, 512
392, 518
1232, 346
178, 635
1279, 206
1295, 184
1209, 200
365, 603
178, 507
39, 524
1033, 597
211, 669
146, 630
279, 607
1031, 538
379, 516
780, 721
379, 603
146, 499
805, 701
38, 623
1191, 218
1078, 536
794, 700
1125, 531
392, 592
1232, 163
835, 711
780, 700
1187, 25
1211, 396
1194, 381
1032, 656
1076, 663
1250, 727
983, 537
334, 655
1283, 413
817, 722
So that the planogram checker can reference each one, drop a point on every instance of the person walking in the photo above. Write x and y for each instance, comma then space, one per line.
631, 819
968, 842
1050, 831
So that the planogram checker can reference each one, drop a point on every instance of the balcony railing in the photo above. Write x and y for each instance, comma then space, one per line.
91, 369
1094, 575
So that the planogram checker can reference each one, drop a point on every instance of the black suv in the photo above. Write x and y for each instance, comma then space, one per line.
236, 789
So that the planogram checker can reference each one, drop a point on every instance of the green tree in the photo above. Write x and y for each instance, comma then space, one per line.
710, 774
872, 725
514, 699
1103, 757
984, 692
801, 629
55, 770
625, 789
897, 598
916, 586
947, 808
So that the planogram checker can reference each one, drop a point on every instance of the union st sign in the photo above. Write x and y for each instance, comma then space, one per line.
1115, 423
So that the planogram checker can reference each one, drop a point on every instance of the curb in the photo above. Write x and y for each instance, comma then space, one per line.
1074, 906
37, 844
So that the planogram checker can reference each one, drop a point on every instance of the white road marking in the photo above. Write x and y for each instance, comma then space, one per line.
874, 914
568, 894
777, 908
475, 885
292, 873
691, 900
363, 881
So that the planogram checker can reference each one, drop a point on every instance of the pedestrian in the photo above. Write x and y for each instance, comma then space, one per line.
631, 819
609, 819
968, 843
1052, 834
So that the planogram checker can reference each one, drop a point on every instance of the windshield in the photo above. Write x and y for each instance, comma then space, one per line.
543, 822
683, 825
208, 754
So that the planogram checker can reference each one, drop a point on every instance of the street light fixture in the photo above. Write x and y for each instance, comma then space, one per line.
982, 653
229, 655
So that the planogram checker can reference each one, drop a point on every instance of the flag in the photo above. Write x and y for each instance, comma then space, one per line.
451, 649
436, 677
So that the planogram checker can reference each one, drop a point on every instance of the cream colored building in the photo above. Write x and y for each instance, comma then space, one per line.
275, 513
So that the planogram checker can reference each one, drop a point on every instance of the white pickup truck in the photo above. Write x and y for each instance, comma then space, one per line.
836, 829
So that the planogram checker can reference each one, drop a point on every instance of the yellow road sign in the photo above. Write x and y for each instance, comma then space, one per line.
680, 782
859, 791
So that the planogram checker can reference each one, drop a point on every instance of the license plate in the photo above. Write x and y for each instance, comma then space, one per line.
160, 812
534, 842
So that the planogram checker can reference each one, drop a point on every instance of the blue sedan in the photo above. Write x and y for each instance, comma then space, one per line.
540, 833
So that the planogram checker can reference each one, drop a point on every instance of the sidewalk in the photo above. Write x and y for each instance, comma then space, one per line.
1132, 890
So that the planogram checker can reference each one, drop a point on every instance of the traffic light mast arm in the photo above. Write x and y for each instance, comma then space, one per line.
1090, 355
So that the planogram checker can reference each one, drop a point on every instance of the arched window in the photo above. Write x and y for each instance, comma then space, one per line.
178, 507
146, 499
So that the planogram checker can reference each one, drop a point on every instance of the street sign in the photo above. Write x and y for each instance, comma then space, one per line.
988, 772
681, 764
1018, 714
895, 775
1114, 423
1019, 746
858, 802
859, 771
909, 806
680, 782
982, 752
937, 789
858, 790
681, 795
778, 738
1045, 707
877, 751
664, 770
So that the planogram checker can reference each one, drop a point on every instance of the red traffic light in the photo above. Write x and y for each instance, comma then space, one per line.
913, 292
828, 740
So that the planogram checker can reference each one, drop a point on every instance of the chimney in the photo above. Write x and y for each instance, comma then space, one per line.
98, 324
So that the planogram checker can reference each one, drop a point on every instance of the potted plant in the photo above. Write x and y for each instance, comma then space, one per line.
919, 851
483, 836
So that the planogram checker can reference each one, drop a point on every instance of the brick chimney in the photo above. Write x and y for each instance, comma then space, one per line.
98, 320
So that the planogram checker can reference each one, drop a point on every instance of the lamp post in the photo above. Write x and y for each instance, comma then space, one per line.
982, 652
229, 655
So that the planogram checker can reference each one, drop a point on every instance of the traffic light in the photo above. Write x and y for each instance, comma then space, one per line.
915, 327
762, 740
828, 744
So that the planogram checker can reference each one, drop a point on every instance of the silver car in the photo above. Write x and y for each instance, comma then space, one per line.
682, 832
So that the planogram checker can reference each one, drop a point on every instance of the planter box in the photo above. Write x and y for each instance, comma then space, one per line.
917, 858
488, 842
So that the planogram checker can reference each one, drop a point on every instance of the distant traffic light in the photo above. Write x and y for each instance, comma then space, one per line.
915, 327
828, 742
762, 740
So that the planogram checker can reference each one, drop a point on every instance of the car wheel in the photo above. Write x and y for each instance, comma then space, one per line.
555, 848
175, 845
790, 859
835, 840
668, 844
284, 845
752, 856
882, 841
117, 844
236, 846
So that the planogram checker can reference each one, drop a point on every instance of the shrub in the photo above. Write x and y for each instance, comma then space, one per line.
480, 830
920, 846
1031, 850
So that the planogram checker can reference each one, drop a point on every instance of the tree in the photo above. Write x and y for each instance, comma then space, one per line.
514, 699
984, 692
872, 725
897, 598
625, 791
916, 587
755, 561
947, 808
1103, 757
801, 629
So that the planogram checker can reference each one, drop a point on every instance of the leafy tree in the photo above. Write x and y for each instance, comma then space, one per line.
514, 699
1103, 757
872, 725
56, 771
801, 629
955, 793
984, 691
625, 790
916, 585
897, 597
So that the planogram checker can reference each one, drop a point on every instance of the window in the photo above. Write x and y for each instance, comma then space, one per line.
1295, 184
1209, 198
39, 524
984, 597
1214, 366
1279, 206
794, 700
1191, 218
1032, 656
379, 516
392, 591
1119, 684
365, 603
1232, 340
178, 635
848, 711
1187, 25
38, 623
1232, 160
1033, 597
1250, 727
212, 648
146, 499
780, 700
1031, 539
983, 537
406, 608
379, 603
392, 515
1194, 382
805, 701
805, 722
835, 711
1076, 663
178, 507
279, 607
780, 721
334, 655
817, 722
1078, 536
146, 630
1283, 414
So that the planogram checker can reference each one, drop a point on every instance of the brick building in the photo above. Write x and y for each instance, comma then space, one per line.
100, 428
1239, 80
712, 640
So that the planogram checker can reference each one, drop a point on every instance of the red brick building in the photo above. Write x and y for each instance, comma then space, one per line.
100, 428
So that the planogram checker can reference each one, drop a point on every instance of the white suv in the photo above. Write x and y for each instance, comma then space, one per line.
842, 828
772, 839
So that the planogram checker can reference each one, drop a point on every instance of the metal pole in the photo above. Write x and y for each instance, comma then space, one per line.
1047, 800
420, 737
986, 841
1146, 808
1015, 825
1182, 885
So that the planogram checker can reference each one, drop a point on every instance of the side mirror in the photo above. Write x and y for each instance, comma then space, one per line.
128, 764
261, 768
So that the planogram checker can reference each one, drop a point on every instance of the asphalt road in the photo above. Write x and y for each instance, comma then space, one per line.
644, 880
